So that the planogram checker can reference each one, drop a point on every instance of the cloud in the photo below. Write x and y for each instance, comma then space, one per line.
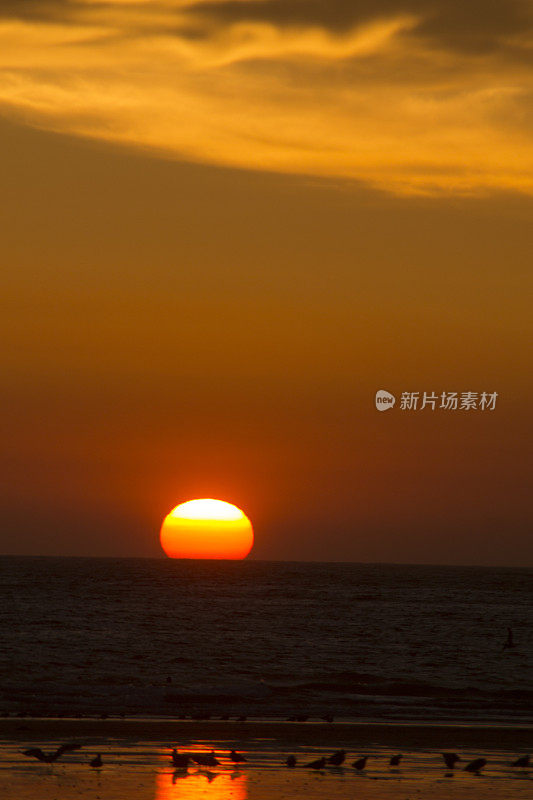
409, 98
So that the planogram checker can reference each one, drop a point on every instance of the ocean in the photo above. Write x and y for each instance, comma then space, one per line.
363, 642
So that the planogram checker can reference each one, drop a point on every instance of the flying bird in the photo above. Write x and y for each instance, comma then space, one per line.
450, 759
476, 765
395, 760
97, 761
337, 758
523, 761
360, 763
179, 760
49, 758
291, 761
237, 758
320, 763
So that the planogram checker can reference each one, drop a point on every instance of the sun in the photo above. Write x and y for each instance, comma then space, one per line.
206, 529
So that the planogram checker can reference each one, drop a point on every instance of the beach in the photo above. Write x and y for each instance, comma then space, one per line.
136, 760
151, 655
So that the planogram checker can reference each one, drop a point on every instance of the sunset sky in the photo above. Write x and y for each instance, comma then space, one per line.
225, 226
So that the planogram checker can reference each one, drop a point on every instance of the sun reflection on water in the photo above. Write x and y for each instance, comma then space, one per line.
194, 784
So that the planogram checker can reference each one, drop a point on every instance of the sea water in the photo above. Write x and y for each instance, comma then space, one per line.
265, 639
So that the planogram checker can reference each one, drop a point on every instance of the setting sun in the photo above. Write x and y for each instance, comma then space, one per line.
206, 529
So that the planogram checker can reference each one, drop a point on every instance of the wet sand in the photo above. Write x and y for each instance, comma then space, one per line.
137, 764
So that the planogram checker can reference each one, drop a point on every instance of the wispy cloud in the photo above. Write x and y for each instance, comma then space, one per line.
387, 98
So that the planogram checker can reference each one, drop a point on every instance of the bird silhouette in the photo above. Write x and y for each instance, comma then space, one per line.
476, 765
337, 758
523, 761
291, 761
450, 759
49, 758
179, 760
509, 641
237, 758
395, 760
205, 759
96, 762
320, 763
360, 763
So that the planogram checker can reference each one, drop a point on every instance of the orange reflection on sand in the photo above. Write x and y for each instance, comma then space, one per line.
194, 784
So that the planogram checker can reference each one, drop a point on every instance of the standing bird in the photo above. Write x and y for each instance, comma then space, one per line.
337, 758
476, 765
96, 762
450, 759
49, 758
523, 761
205, 759
395, 760
291, 761
237, 758
360, 763
179, 760
320, 763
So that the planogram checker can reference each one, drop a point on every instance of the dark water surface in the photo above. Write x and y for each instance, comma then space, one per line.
357, 641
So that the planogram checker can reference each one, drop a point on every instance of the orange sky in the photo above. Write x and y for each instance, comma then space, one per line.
226, 225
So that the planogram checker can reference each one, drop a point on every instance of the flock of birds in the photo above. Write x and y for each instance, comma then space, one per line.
450, 759
181, 761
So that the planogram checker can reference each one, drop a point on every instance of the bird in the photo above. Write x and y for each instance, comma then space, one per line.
450, 759
237, 758
395, 760
97, 761
291, 761
49, 758
476, 765
509, 641
179, 760
337, 758
205, 759
360, 763
320, 763
523, 761
242, 718
327, 718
